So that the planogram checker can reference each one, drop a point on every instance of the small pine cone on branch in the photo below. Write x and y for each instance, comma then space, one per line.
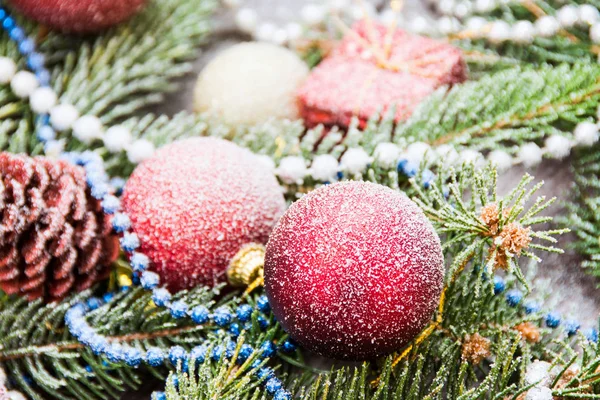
54, 236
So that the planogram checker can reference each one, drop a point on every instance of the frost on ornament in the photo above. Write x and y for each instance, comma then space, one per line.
360, 79
195, 203
353, 270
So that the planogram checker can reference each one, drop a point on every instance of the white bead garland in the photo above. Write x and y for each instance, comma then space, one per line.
538, 372
313, 14
8, 69
266, 161
87, 128
499, 32
292, 170
501, 159
530, 154
523, 32
586, 133
588, 14
558, 146
567, 16
140, 150
547, 26
595, 33
42, 100
355, 160
247, 20
387, 154
63, 116
23, 84
415, 152
117, 138
324, 168
447, 154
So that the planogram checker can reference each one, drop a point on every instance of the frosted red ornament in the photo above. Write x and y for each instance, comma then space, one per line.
354, 270
195, 204
79, 16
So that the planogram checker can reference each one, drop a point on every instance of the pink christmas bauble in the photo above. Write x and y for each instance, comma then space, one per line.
195, 204
354, 270
80, 16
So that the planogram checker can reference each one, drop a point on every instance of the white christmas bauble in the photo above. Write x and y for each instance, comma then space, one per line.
117, 138
246, 20
530, 154
8, 68
588, 14
539, 393
547, 26
472, 157
63, 116
447, 154
42, 100
250, 83
292, 170
567, 16
416, 151
538, 373
500, 159
499, 32
523, 32
313, 14
595, 33
266, 161
23, 83
355, 161
558, 146
324, 168
140, 150
87, 128
387, 154
586, 133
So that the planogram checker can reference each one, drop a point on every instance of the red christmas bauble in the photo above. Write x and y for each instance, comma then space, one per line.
195, 204
354, 270
79, 16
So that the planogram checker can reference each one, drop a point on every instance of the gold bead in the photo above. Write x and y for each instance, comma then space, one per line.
247, 265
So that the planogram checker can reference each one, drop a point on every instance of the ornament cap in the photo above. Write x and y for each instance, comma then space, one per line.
247, 266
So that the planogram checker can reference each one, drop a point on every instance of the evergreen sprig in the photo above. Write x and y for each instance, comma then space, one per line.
584, 209
572, 45
43, 359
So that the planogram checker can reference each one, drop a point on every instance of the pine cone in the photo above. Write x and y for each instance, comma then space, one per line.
54, 236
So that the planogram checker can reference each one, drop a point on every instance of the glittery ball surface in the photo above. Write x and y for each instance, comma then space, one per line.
79, 16
353, 82
354, 270
196, 203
